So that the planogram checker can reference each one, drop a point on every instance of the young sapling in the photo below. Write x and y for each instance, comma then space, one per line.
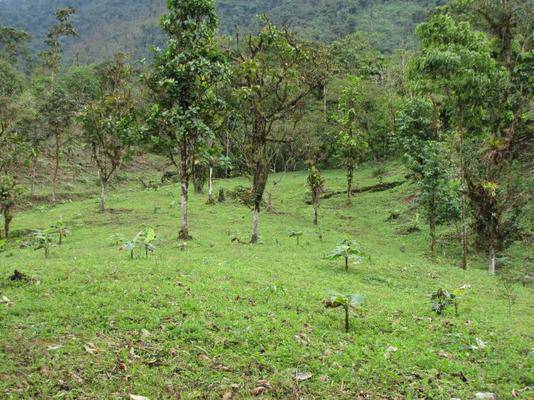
144, 239
61, 230
347, 301
347, 250
295, 234
441, 299
43, 239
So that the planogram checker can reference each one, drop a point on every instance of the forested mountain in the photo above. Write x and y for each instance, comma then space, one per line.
108, 26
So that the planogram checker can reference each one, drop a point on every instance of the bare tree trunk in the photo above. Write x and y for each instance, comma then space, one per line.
349, 184
8, 217
33, 174
103, 193
184, 199
56, 165
315, 212
255, 225
210, 189
463, 264
259, 182
491, 261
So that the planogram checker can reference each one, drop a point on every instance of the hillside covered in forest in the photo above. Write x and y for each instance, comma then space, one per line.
108, 26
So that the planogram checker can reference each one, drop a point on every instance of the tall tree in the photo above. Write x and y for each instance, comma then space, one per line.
273, 74
13, 45
13, 149
422, 138
110, 123
457, 66
57, 108
183, 78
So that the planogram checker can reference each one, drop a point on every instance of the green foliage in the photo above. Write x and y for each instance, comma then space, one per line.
426, 154
13, 44
9, 193
380, 173
111, 121
352, 140
441, 299
348, 250
296, 234
43, 239
61, 229
107, 26
117, 238
347, 301
144, 239
183, 80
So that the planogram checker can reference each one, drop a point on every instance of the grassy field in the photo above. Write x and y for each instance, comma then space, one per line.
227, 320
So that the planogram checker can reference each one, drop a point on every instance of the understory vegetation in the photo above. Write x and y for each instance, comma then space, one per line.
218, 316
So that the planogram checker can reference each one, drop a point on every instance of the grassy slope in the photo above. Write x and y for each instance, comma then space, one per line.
221, 316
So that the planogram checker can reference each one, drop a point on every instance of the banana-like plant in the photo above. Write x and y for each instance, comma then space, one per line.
61, 230
346, 301
295, 234
347, 249
43, 239
144, 239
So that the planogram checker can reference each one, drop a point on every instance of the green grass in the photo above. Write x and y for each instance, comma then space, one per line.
220, 316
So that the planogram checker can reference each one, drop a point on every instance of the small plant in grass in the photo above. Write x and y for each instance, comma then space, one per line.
144, 239
380, 173
441, 299
414, 225
61, 230
295, 234
347, 250
346, 301
43, 239
117, 238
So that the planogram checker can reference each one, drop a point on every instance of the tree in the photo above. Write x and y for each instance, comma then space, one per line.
182, 80
456, 66
56, 107
426, 156
351, 143
273, 74
13, 145
13, 45
495, 176
110, 123
316, 185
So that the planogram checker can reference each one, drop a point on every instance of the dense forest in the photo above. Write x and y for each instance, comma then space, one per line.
377, 151
108, 26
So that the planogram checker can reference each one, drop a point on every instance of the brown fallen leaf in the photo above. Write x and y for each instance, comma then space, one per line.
259, 390
228, 395
45, 371
444, 354
264, 382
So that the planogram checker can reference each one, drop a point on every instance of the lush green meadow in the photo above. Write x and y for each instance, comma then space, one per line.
218, 318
